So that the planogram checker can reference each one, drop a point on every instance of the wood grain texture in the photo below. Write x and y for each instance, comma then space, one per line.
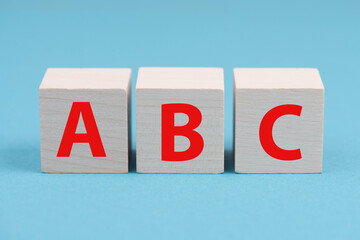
157, 86
259, 90
108, 92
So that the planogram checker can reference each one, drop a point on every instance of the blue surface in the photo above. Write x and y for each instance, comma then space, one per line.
35, 35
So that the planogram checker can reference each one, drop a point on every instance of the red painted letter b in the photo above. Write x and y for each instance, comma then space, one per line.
169, 131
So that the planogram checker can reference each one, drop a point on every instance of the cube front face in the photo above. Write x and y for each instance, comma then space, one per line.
278, 130
111, 120
59, 110
149, 130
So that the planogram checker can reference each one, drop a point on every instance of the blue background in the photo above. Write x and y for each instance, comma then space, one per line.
35, 35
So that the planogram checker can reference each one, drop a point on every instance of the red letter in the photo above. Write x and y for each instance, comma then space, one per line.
266, 137
169, 131
91, 136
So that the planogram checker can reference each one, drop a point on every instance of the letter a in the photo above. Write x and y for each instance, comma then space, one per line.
91, 136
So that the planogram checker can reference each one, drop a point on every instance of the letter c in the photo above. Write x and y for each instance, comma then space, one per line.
266, 135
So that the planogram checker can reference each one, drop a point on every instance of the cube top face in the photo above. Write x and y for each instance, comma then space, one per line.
278, 128
86, 78
152, 122
76, 106
180, 78
277, 78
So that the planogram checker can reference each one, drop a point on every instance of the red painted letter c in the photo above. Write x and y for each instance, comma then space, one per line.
266, 136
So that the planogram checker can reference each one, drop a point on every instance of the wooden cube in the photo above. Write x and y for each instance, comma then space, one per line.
278, 120
84, 120
180, 120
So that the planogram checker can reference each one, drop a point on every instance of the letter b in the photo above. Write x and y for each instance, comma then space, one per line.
169, 131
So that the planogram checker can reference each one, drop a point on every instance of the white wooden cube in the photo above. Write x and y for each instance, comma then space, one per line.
77, 108
202, 88
278, 120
